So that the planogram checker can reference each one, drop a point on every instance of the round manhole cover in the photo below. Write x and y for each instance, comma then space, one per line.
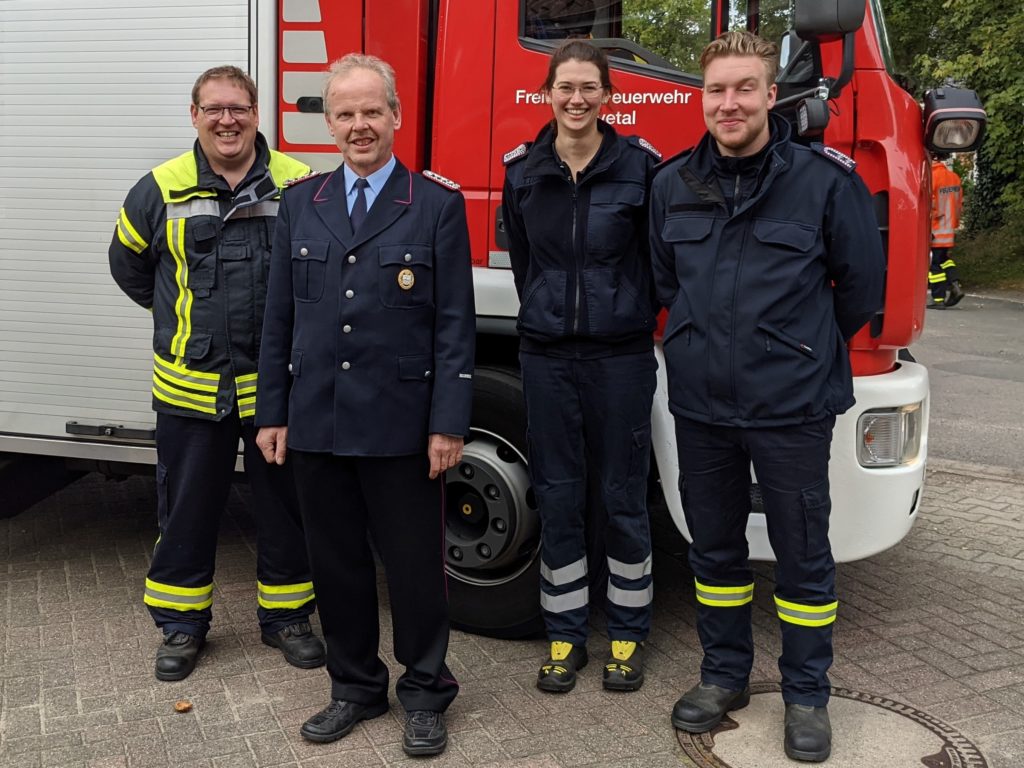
867, 732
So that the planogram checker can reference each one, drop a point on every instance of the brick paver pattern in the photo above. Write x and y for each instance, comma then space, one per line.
937, 622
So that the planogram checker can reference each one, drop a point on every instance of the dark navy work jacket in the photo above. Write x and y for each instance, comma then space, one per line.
762, 301
579, 249
368, 341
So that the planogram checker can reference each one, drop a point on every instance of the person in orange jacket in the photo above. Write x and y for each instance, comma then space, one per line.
947, 205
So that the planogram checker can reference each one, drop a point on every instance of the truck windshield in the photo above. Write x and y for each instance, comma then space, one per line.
665, 34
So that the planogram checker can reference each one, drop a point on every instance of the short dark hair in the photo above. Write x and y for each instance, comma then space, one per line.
225, 72
740, 42
578, 50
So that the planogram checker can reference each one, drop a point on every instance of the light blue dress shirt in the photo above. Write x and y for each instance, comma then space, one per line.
376, 180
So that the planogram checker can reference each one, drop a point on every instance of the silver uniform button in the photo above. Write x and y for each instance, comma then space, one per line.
303, 251
408, 257
346, 365
350, 293
289, 368
426, 375
351, 258
347, 328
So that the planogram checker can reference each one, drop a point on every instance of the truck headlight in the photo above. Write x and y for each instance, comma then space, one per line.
888, 437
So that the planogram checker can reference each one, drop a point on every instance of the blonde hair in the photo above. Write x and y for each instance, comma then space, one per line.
739, 42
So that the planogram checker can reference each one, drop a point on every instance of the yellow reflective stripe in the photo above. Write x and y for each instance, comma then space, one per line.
246, 407
186, 377
246, 378
182, 403
246, 385
177, 598
246, 390
164, 386
936, 277
724, 597
806, 615
284, 595
183, 304
127, 235
948, 263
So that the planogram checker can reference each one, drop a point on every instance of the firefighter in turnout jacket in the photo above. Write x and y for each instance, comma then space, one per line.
947, 205
192, 245
767, 255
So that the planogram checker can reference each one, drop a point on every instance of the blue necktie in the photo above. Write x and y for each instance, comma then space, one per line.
359, 207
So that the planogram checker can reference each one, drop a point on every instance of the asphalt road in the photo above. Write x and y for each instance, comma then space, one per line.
975, 358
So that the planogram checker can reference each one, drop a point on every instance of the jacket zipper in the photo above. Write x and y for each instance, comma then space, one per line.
575, 257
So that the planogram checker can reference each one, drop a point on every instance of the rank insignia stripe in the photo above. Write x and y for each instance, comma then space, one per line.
515, 154
651, 149
437, 178
300, 179
844, 161
406, 279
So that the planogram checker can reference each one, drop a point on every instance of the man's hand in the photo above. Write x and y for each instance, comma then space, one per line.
444, 452
272, 441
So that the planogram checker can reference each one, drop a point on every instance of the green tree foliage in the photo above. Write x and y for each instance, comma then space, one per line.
678, 30
978, 44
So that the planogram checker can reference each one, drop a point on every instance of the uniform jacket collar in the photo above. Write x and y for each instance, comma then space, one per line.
211, 180
697, 169
393, 201
542, 159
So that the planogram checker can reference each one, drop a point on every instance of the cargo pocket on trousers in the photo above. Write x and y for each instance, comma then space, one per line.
815, 506
163, 501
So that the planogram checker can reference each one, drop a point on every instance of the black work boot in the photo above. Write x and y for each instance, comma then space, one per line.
177, 656
425, 733
955, 294
702, 707
808, 733
624, 670
301, 648
558, 673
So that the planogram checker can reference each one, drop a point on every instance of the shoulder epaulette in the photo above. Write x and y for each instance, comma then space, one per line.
645, 145
437, 178
845, 162
516, 154
307, 177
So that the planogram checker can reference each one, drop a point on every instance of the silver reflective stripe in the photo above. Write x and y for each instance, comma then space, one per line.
182, 599
266, 208
197, 206
285, 597
631, 598
567, 602
724, 597
631, 571
567, 574
806, 615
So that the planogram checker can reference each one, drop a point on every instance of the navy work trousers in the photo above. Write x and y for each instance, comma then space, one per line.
195, 469
600, 407
391, 498
791, 465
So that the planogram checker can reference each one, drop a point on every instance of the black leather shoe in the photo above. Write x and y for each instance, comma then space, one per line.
702, 707
808, 733
177, 656
338, 719
301, 648
425, 733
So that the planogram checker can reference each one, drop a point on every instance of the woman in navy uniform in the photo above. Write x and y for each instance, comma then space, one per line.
366, 379
575, 209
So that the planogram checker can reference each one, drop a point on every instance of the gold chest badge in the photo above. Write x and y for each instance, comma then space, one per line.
406, 279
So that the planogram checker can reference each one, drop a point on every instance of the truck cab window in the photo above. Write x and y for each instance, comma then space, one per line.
667, 34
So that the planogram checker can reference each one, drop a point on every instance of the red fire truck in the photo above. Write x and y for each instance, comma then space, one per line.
96, 93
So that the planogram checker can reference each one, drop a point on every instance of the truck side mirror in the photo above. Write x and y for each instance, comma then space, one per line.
826, 20
954, 120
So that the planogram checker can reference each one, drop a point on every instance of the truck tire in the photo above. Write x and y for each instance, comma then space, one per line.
492, 529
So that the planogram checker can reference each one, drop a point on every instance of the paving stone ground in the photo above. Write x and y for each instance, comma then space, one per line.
936, 623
